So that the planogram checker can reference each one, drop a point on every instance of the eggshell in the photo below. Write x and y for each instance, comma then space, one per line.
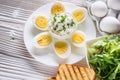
99, 9
119, 17
110, 24
114, 4
112, 13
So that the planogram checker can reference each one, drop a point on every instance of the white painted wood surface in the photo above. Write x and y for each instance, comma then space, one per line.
15, 61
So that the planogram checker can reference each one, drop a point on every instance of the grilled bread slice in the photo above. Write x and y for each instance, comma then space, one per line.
72, 72
52, 78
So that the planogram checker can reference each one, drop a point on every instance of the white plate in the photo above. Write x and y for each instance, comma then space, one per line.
46, 56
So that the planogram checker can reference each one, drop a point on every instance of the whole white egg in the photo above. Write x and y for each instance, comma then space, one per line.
110, 24
99, 9
114, 4
119, 17
112, 13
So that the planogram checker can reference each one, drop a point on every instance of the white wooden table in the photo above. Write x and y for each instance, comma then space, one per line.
15, 61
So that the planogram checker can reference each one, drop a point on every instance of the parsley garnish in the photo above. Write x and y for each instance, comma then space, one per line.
64, 27
63, 18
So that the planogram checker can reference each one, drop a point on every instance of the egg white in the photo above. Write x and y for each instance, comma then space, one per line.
85, 12
34, 22
110, 24
99, 9
82, 44
35, 43
64, 55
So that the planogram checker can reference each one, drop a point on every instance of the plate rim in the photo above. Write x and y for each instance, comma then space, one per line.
34, 57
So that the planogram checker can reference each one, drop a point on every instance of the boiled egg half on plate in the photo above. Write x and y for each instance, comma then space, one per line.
62, 48
42, 40
78, 38
80, 14
40, 22
57, 7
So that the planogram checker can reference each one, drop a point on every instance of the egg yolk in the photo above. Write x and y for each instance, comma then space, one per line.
78, 14
60, 47
41, 21
77, 37
57, 7
44, 40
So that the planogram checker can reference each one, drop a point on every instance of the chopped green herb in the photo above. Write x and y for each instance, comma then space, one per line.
68, 25
64, 27
72, 22
59, 30
63, 18
55, 28
54, 19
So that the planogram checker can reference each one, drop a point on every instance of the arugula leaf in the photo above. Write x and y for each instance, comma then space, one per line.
113, 75
105, 57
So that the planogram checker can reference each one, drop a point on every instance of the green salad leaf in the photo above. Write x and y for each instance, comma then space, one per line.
105, 57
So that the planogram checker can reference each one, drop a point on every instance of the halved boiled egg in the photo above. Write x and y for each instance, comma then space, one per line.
62, 48
78, 38
40, 22
57, 7
80, 14
42, 40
